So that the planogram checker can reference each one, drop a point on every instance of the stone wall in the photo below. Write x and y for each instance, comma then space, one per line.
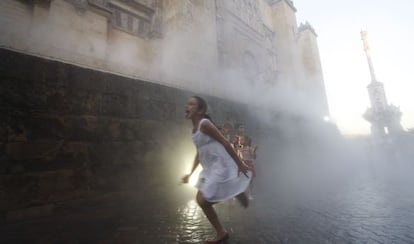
68, 133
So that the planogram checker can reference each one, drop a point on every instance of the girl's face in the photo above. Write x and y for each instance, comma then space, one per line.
191, 108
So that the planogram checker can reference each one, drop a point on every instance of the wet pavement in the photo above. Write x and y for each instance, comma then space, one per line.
358, 206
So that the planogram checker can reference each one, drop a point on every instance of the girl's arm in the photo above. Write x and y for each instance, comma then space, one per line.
209, 129
196, 162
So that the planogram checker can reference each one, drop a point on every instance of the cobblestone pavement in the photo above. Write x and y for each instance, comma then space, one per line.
358, 206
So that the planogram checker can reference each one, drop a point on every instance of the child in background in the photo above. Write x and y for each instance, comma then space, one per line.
239, 133
248, 154
226, 130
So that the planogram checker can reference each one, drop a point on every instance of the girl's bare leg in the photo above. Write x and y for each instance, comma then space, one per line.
211, 215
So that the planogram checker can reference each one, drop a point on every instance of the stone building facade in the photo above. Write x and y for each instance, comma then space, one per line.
202, 46
92, 91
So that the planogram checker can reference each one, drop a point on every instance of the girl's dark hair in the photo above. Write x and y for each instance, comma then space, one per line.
202, 106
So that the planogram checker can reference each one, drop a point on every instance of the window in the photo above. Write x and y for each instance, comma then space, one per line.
131, 19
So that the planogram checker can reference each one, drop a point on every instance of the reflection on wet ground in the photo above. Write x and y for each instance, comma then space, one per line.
364, 206
349, 206
191, 224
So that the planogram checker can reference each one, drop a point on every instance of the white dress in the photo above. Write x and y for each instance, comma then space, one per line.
219, 179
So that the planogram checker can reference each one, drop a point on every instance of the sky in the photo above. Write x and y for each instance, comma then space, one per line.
390, 27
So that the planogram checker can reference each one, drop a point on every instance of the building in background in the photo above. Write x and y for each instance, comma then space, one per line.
201, 46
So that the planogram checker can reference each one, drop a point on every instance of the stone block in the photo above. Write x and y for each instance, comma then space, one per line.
158, 92
38, 98
128, 129
44, 72
114, 129
169, 111
3, 133
16, 169
170, 94
18, 95
121, 104
45, 185
155, 110
29, 213
53, 74
151, 129
114, 104
32, 150
85, 128
57, 101
9, 60
101, 154
152, 151
4, 160
83, 102
131, 104
74, 151
135, 127
86, 79
42, 127
19, 190
120, 177
142, 109
116, 153
16, 131
118, 84
133, 177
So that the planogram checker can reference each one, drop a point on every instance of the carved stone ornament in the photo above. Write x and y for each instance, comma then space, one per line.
103, 3
42, 3
188, 10
249, 12
80, 5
